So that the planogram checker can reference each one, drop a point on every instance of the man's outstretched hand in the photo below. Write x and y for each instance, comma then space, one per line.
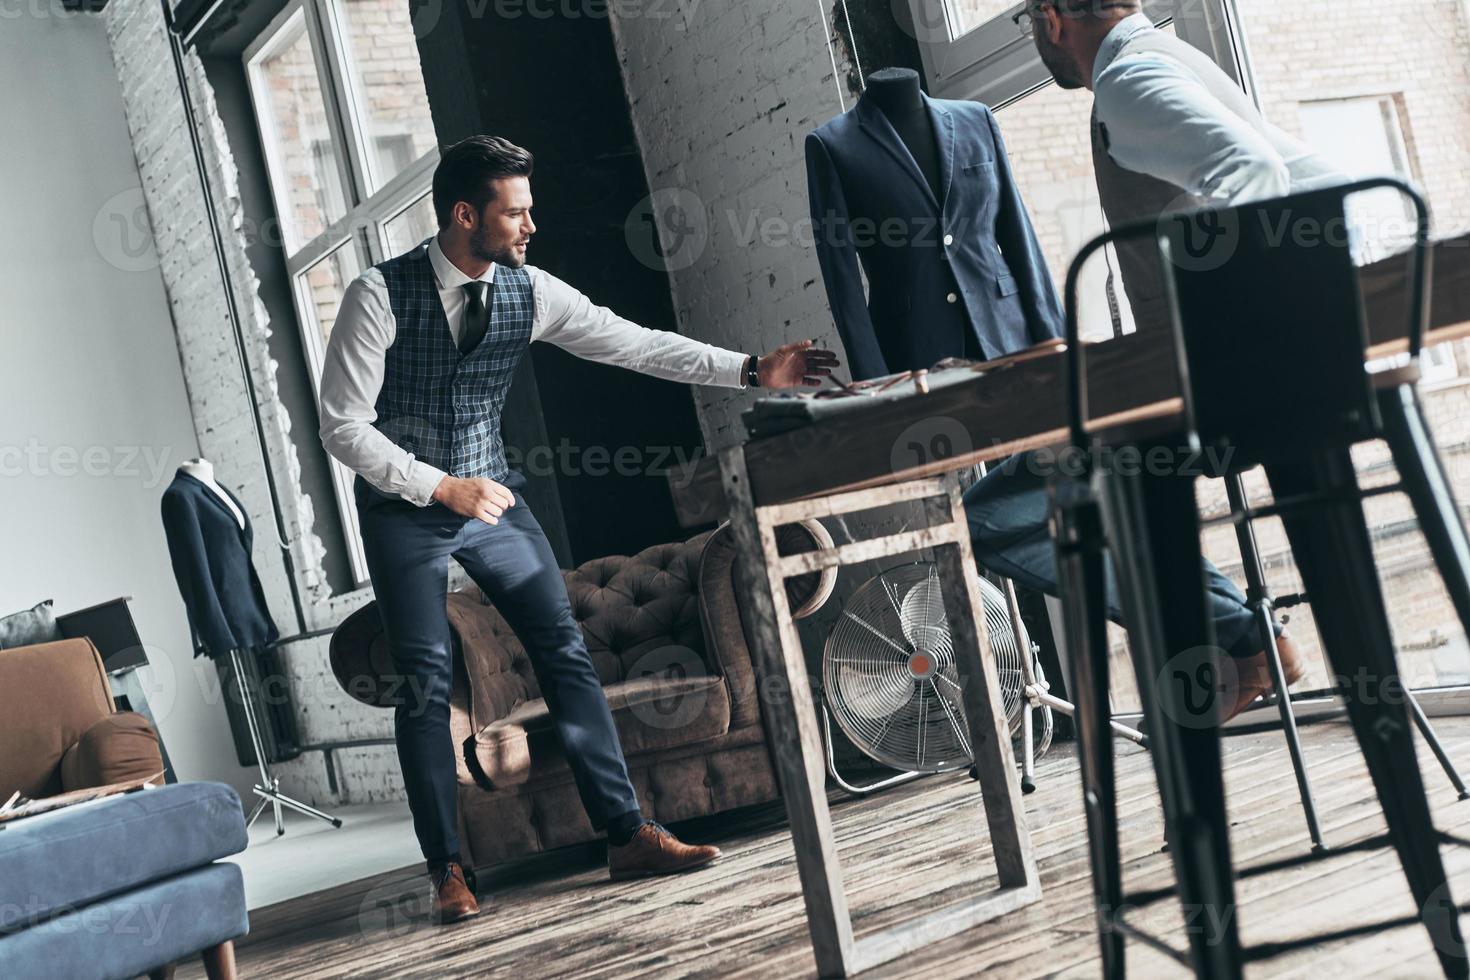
795, 366
474, 497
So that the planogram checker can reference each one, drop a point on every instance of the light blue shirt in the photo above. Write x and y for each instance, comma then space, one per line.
1162, 120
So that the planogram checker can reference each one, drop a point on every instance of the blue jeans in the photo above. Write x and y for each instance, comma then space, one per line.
408, 551
1008, 511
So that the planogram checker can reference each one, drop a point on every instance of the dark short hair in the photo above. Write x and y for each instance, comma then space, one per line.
467, 168
1102, 8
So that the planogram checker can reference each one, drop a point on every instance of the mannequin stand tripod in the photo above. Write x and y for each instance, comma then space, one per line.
269, 787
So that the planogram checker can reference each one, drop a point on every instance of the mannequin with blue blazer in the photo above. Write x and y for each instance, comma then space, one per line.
209, 544
918, 192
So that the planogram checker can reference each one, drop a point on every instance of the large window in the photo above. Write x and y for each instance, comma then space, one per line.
1370, 88
349, 145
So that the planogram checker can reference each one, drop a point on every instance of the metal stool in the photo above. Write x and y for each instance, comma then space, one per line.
1250, 290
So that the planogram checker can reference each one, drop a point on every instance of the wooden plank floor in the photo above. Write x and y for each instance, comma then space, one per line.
915, 847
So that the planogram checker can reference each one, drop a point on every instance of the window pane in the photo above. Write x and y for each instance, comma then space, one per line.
320, 288
387, 85
304, 159
411, 226
1389, 99
966, 15
1048, 139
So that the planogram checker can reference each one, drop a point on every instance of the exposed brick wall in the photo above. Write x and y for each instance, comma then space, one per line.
722, 97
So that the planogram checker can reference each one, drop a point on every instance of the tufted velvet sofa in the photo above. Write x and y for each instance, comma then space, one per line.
664, 630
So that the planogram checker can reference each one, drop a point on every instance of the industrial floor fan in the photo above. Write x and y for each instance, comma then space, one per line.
889, 679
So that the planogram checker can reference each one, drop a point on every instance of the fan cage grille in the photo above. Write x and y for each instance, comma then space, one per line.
889, 674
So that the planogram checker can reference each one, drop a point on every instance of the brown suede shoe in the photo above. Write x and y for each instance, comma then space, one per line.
453, 899
655, 851
1254, 675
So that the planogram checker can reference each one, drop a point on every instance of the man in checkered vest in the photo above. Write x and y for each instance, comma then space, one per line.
420, 359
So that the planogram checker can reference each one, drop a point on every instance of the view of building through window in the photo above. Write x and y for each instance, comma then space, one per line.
337, 165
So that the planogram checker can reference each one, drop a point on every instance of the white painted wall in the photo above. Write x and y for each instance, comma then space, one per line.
95, 415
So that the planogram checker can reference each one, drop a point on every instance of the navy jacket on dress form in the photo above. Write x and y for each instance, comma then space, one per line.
210, 553
871, 205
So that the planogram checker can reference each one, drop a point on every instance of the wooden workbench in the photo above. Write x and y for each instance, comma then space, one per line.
847, 464
1022, 407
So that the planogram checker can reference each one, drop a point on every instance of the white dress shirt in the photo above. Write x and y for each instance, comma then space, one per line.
1163, 121
352, 374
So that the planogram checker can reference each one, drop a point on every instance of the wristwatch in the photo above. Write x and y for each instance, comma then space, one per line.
752, 371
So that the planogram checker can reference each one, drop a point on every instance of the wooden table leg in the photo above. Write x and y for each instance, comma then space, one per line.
785, 695
990, 739
790, 719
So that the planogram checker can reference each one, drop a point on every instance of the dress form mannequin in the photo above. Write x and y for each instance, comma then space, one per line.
896, 92
203, 470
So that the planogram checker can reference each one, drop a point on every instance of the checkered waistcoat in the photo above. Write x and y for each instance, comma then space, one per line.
442, 406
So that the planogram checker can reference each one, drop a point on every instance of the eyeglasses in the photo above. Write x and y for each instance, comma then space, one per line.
1025, 19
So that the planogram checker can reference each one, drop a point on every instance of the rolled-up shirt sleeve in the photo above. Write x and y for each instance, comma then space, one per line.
352, 377
571, 321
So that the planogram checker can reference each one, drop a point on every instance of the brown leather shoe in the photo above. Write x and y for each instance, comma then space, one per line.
655, 851
453, 899
1254, 675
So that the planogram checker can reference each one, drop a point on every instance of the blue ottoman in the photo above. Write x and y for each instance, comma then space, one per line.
122, 886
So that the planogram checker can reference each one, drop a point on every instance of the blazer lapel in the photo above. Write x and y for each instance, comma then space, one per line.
944, 136
204, 491
877, 126
246, 533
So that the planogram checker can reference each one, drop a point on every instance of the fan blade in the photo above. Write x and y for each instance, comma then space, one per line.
849, 614
921, 614
953, 712
874, 696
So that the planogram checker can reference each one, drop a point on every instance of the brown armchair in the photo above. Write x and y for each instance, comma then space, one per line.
665, 634
59, 730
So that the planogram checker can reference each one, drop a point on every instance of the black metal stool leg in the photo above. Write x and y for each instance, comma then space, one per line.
1153, 528
1421, 720
1260, 601
1427, 484
1425, 481
1334, 553
1077, 531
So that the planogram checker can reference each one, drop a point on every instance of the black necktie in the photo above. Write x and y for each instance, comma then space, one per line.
476, 316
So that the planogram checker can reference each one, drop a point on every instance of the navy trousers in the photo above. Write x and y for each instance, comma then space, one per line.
1008, 511
408, 550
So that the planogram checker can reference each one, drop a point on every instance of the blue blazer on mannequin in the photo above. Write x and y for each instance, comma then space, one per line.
210, 554
935, 268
